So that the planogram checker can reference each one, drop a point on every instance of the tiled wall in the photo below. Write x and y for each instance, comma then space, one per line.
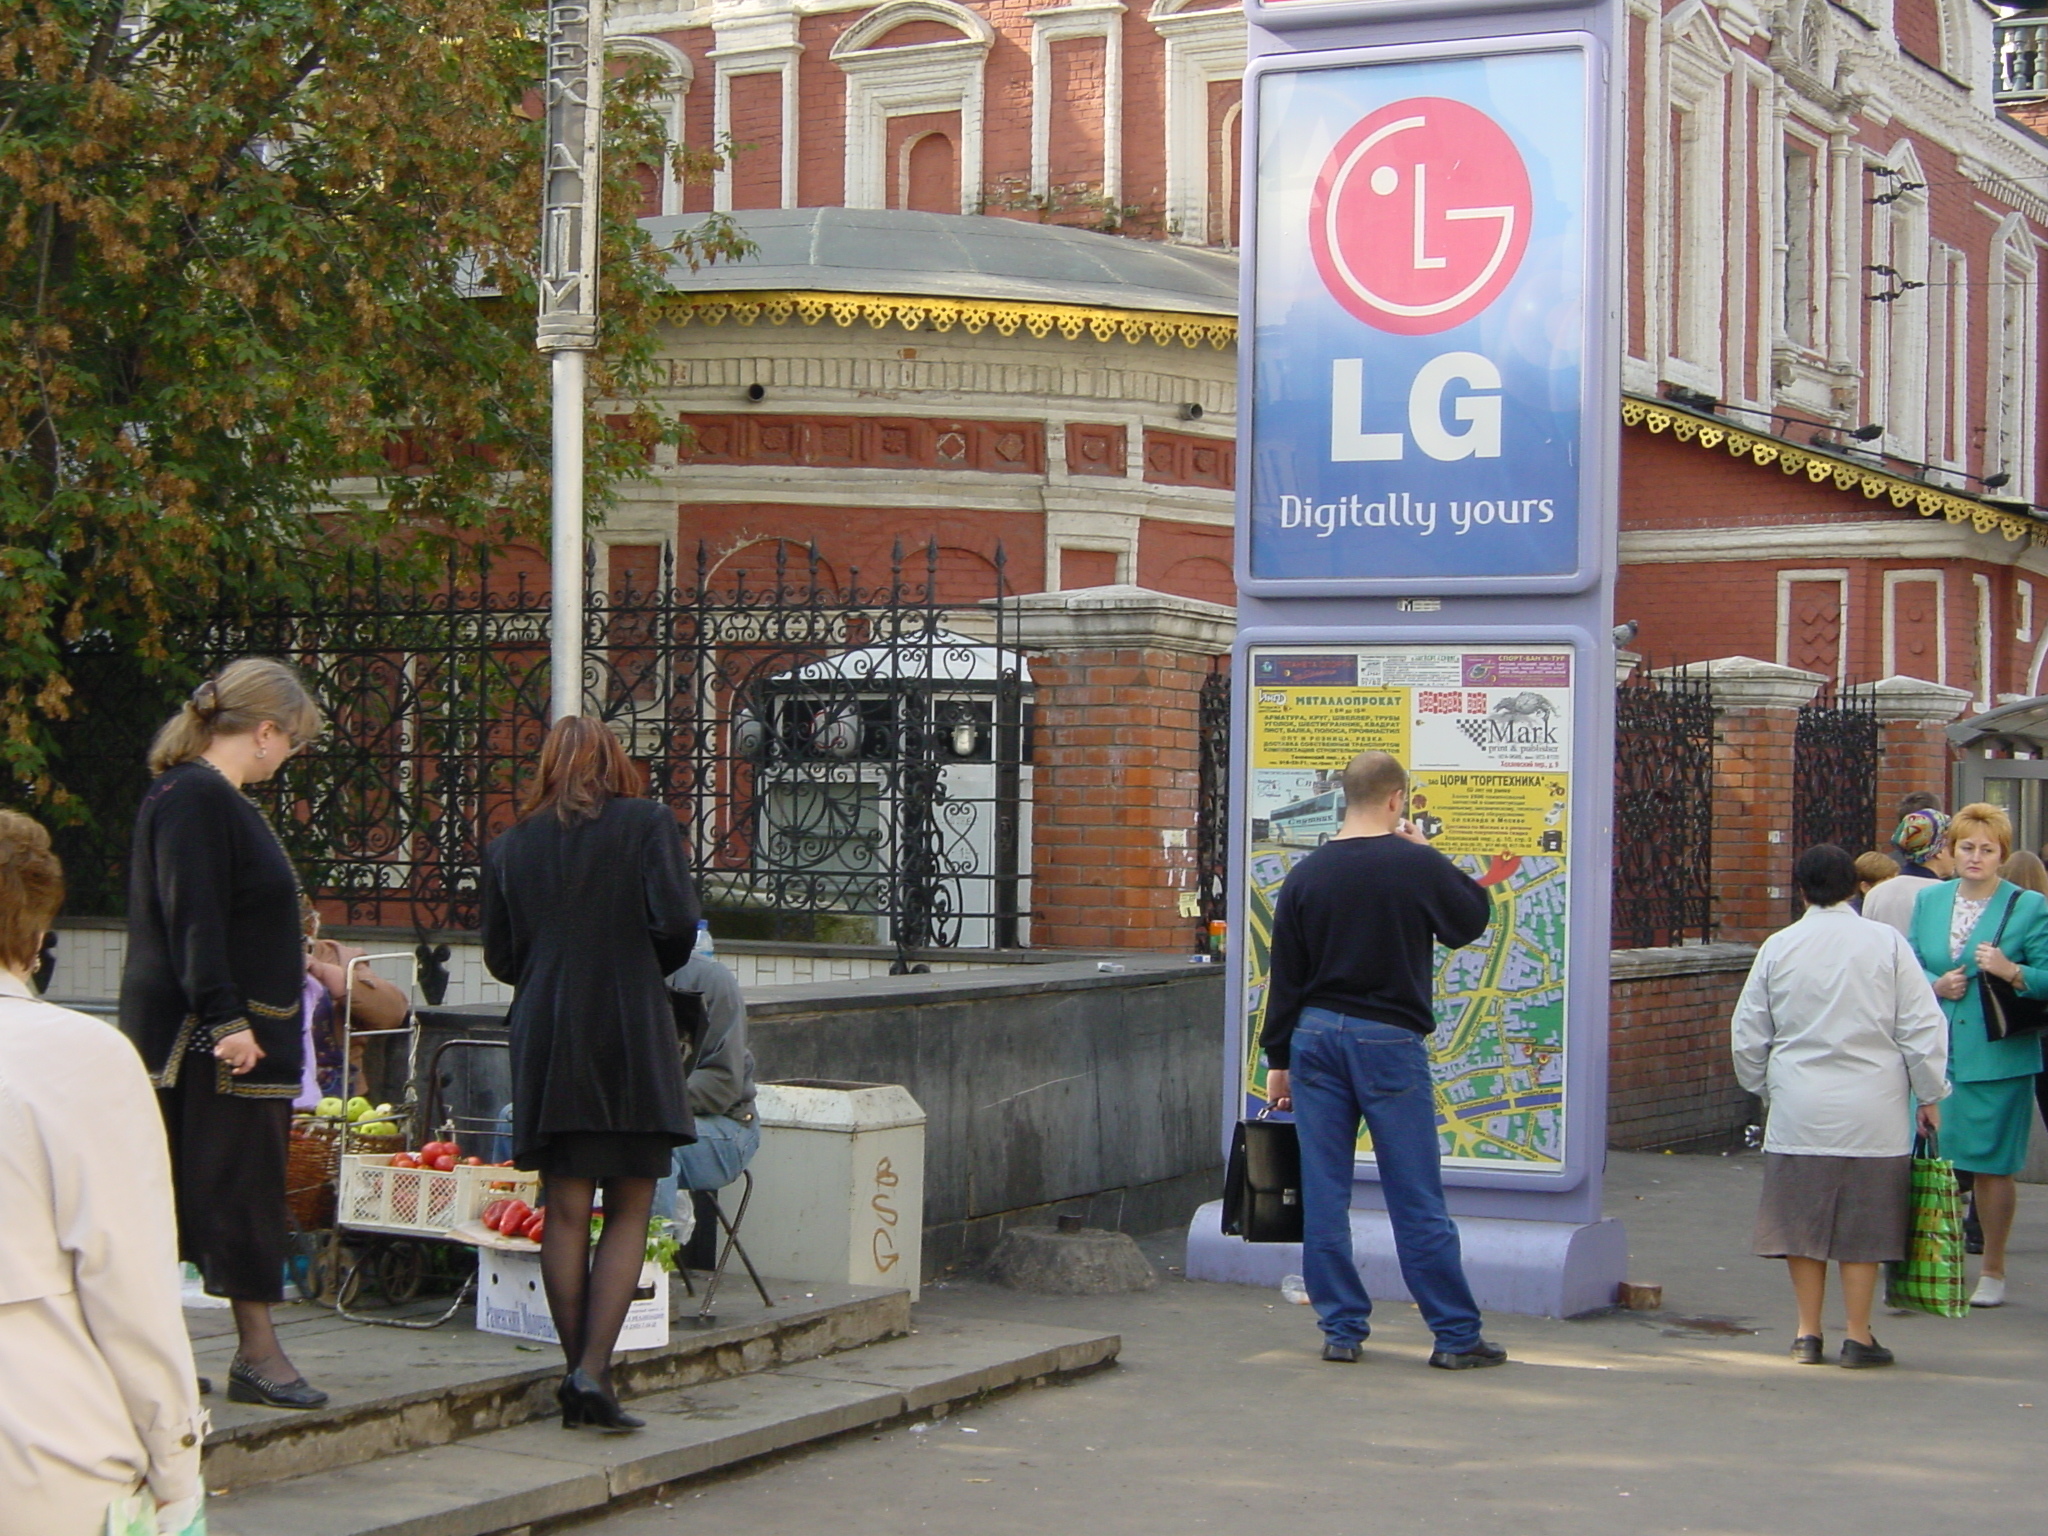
89, 966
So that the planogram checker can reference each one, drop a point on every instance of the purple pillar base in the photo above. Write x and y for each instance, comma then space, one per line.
1534, 1268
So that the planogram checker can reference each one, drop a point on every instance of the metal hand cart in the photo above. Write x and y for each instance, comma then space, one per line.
391, 1224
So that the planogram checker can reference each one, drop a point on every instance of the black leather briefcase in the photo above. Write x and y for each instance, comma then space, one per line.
1262, 1182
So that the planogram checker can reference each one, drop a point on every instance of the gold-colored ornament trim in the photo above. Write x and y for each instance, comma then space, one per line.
1877, 484
974, 316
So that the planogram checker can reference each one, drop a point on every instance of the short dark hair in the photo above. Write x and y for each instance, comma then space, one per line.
1918, 800
1825, 875
1371, 777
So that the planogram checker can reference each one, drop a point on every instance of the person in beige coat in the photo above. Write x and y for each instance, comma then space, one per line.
98, 1398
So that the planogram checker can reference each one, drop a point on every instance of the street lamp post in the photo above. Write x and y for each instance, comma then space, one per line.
568, 305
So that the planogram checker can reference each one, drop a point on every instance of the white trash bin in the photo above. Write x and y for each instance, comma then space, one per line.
838, 1184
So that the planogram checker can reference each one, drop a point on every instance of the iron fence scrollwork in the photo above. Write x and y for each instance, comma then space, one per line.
1212, 805
1663, 809
1834, 771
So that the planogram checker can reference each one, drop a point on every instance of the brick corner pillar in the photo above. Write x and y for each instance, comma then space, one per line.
1756, 716
1116, 763
1913, 747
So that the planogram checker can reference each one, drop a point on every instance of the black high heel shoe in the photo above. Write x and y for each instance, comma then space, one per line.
572, 1404
595, 1407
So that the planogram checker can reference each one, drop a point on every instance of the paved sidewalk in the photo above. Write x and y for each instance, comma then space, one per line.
1220, 1417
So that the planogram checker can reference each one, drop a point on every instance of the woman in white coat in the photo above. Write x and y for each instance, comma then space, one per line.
1838, 1029
98, 1400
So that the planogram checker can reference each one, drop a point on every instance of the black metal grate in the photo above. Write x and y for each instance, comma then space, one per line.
848, 759
1834, 772
1663, 809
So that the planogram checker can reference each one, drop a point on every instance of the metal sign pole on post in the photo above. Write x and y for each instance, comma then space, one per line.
1426, 545
568, 306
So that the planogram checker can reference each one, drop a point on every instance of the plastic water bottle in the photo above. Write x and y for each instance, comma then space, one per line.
1293, 1288
705, 946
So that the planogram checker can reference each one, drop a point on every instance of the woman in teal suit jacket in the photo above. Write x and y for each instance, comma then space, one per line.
1979, 922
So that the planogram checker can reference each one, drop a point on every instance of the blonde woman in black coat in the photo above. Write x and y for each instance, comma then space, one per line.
210, 995
587, 905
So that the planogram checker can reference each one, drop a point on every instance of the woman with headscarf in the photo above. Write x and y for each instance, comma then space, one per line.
1920, 841
1839, 1031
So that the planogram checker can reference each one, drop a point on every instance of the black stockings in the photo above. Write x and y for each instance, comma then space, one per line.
588, 1294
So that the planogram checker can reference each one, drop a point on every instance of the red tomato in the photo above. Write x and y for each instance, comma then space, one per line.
472, 1162
441, 1162
405, 1160
434, 1149
513, 1216
535, 1226
492, 1212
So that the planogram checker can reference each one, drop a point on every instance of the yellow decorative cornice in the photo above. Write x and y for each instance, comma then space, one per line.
778, 307
1878, 485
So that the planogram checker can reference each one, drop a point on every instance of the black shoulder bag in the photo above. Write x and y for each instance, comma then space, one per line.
1262, 1182
2006, 1011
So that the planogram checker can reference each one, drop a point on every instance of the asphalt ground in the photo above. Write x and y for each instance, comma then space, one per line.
1220, 1415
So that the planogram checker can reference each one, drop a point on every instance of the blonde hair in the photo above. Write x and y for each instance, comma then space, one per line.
1986, 821
2026, 871
1876, 868
233, 702
31, 889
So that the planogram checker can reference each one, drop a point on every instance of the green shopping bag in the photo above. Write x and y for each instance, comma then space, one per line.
135, 1514
1930, 1277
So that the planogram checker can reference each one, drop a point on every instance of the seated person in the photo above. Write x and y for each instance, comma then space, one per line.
721, 1088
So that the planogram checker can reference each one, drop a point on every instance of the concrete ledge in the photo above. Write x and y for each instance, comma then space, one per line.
1678, 960
540, 1472
1534, 1268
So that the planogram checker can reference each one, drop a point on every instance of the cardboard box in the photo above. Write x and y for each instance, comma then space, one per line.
510, 1300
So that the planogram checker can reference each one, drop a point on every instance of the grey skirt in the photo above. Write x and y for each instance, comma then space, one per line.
1849, 1209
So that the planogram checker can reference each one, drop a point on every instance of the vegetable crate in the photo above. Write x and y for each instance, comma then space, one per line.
421, 1202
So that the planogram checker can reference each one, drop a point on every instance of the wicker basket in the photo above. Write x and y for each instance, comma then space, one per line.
313, 1165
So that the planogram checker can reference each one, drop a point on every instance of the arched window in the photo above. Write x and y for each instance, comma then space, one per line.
928, 175
661, 192
921, 59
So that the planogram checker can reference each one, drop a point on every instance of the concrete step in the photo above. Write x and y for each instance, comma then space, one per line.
394, 1391
511, 1478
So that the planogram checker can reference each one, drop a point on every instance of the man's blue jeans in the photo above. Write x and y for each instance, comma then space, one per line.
1344, 1068
721, 1152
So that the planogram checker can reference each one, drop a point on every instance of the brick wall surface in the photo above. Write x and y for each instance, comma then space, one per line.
1670, 1081
1114, 797
1752, 866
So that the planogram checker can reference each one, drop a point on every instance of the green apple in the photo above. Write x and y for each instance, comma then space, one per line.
359, 1107
330, 1108
376, 1128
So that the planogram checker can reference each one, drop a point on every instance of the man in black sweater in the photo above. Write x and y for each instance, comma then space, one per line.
1347, 1017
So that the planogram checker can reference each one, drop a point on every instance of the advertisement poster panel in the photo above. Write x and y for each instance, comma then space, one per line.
1486, 734
1418, 330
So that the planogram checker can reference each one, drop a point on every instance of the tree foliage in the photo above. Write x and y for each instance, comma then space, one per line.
247, 247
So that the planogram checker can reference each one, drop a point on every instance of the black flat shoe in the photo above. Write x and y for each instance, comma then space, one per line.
206, 1386
245, 1386
1341, 1353
1809, 1349
1478, 1357
1861, 1357
596, 1407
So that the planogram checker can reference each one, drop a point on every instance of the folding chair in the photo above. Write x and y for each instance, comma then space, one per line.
731, 1227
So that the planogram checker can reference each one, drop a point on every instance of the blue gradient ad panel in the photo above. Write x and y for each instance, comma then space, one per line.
1418, 329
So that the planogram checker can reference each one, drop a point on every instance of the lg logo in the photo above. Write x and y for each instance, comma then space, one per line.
1432, 410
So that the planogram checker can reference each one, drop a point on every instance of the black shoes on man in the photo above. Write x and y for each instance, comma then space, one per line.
1478, 1357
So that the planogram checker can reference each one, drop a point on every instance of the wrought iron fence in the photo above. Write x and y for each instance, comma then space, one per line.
1834, 771
1663, 809
850, 760
1212, 808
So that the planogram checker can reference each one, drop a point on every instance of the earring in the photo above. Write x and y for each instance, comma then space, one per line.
261, 753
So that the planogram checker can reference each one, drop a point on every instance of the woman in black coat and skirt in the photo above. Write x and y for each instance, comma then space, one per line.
587, 906
210, 995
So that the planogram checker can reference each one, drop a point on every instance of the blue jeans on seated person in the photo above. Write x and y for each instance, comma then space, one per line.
721, 1152
1343, 1068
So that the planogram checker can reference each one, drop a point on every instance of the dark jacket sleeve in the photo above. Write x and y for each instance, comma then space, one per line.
503, 953
194, 857
1286, 976
672, 911
1461, 908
